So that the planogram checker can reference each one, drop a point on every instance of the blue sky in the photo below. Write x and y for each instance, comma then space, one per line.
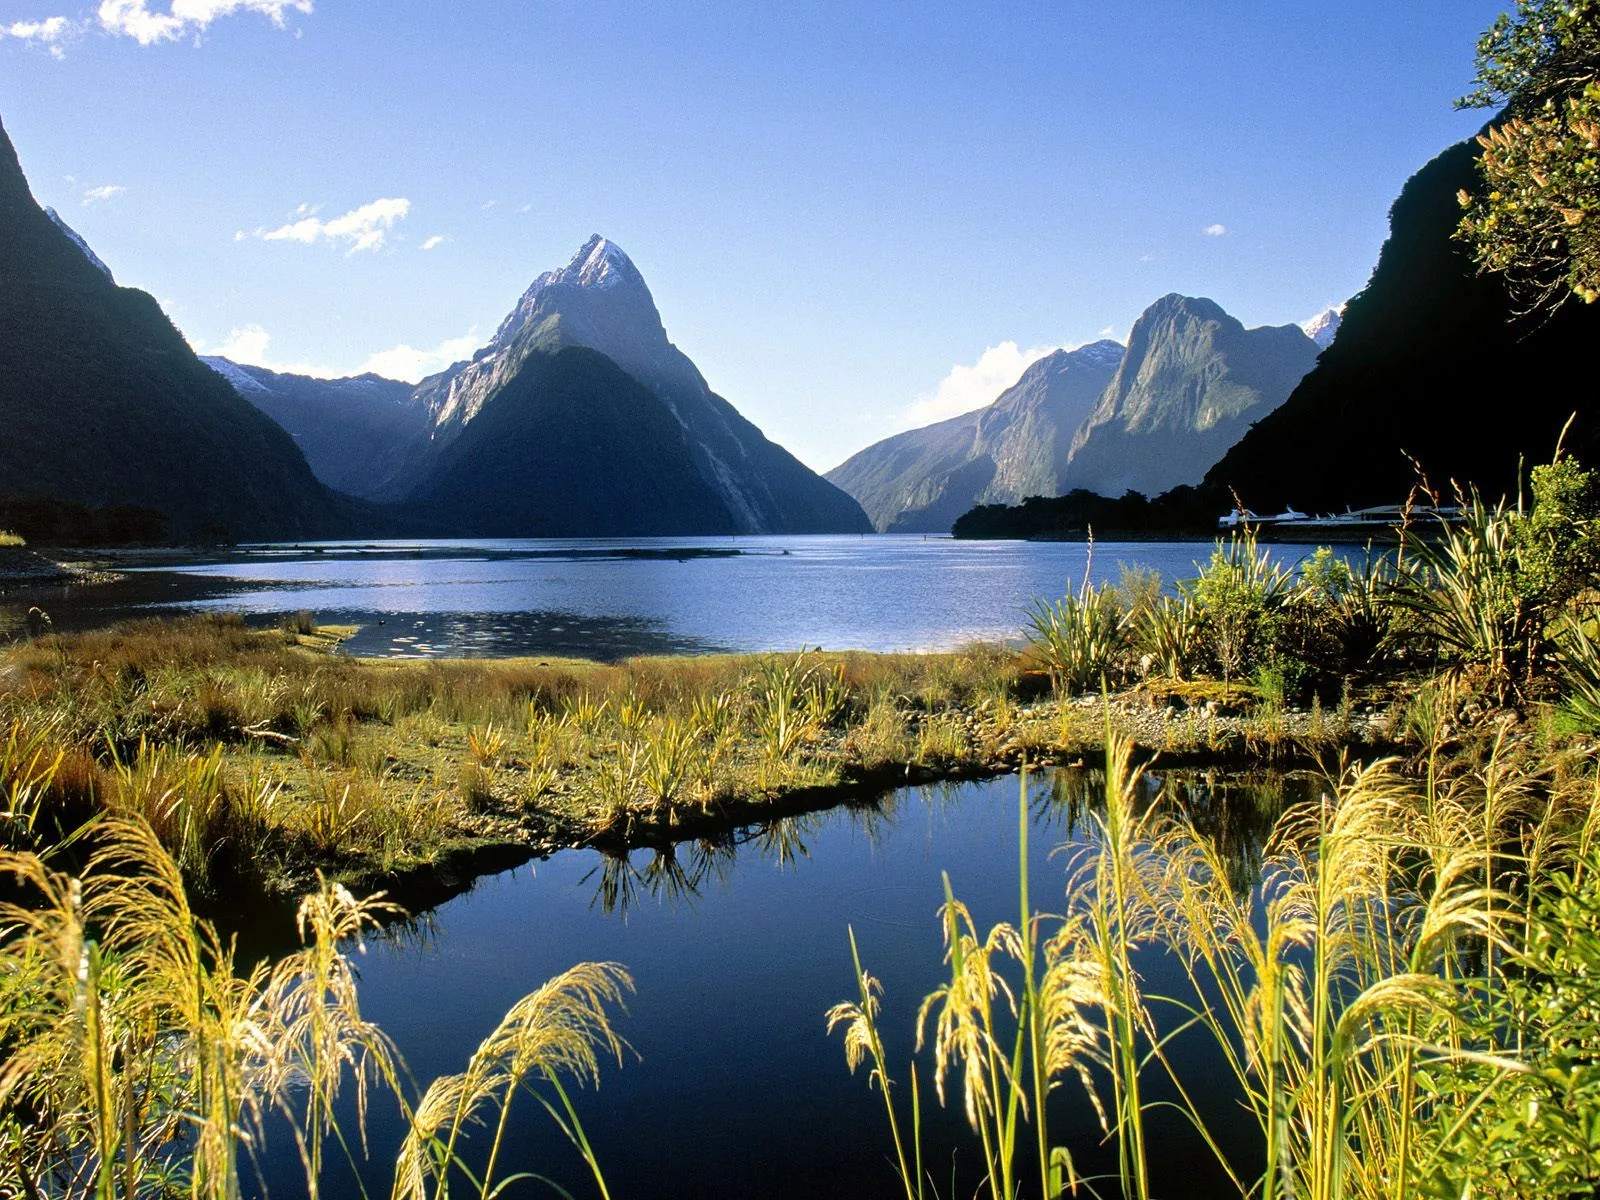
854, 215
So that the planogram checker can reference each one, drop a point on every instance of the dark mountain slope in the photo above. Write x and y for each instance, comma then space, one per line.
1430, 361
102, 402
524, 467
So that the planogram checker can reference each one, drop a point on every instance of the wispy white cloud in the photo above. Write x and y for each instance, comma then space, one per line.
970, 386
1215, 230
250, 344
108, 191
409, 363
363, 228
49, 32
434, 242
136, 19
247, 344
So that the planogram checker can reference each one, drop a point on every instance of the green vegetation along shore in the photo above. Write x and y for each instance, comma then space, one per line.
1424, 951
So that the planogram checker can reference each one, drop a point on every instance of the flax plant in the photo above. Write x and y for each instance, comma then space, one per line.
1078, 638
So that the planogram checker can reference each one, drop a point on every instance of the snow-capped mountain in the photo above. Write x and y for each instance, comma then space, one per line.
1321, 329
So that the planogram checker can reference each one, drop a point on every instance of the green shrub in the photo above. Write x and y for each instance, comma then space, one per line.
1079, 638
1238, 594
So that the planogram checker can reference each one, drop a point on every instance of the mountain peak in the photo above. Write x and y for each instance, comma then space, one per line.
1176, 303
599, 263
1321, 329
1104, 353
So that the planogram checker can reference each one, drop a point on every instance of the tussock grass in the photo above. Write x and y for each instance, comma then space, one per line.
143, 1060
1405, 1003
261, 754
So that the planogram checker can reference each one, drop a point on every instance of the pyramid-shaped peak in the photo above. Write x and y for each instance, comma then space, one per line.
600, 263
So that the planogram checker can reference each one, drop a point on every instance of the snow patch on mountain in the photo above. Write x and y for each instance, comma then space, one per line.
78, 241
1321, 329
243, 382
1104, 353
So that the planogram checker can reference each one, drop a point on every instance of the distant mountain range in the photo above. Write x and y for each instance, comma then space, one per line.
581, 417
350, 430
1152, 416
103, 404
578, 418
920, 481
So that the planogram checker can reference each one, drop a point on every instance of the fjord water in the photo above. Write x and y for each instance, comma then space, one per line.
738, 949
610, 598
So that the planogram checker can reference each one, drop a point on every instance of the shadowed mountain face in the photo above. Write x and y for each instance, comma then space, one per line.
571, 445
599, 302
102, 402
354, 431
920, 481
1431, 362
1190, 384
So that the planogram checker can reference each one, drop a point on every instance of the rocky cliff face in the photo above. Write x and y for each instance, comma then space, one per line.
1192, 381
920, 481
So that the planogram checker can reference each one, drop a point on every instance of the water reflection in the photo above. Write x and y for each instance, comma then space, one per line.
1235, 812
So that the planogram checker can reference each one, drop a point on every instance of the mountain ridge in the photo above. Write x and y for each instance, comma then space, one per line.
921, 480
105, 405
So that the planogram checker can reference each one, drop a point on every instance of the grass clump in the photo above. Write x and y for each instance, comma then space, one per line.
1406, 1003
252, 752
143, 1060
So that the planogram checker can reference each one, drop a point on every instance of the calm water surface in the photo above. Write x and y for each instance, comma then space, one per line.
613, 598
738, 949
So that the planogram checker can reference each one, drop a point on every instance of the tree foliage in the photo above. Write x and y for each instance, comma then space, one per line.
1537, 218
